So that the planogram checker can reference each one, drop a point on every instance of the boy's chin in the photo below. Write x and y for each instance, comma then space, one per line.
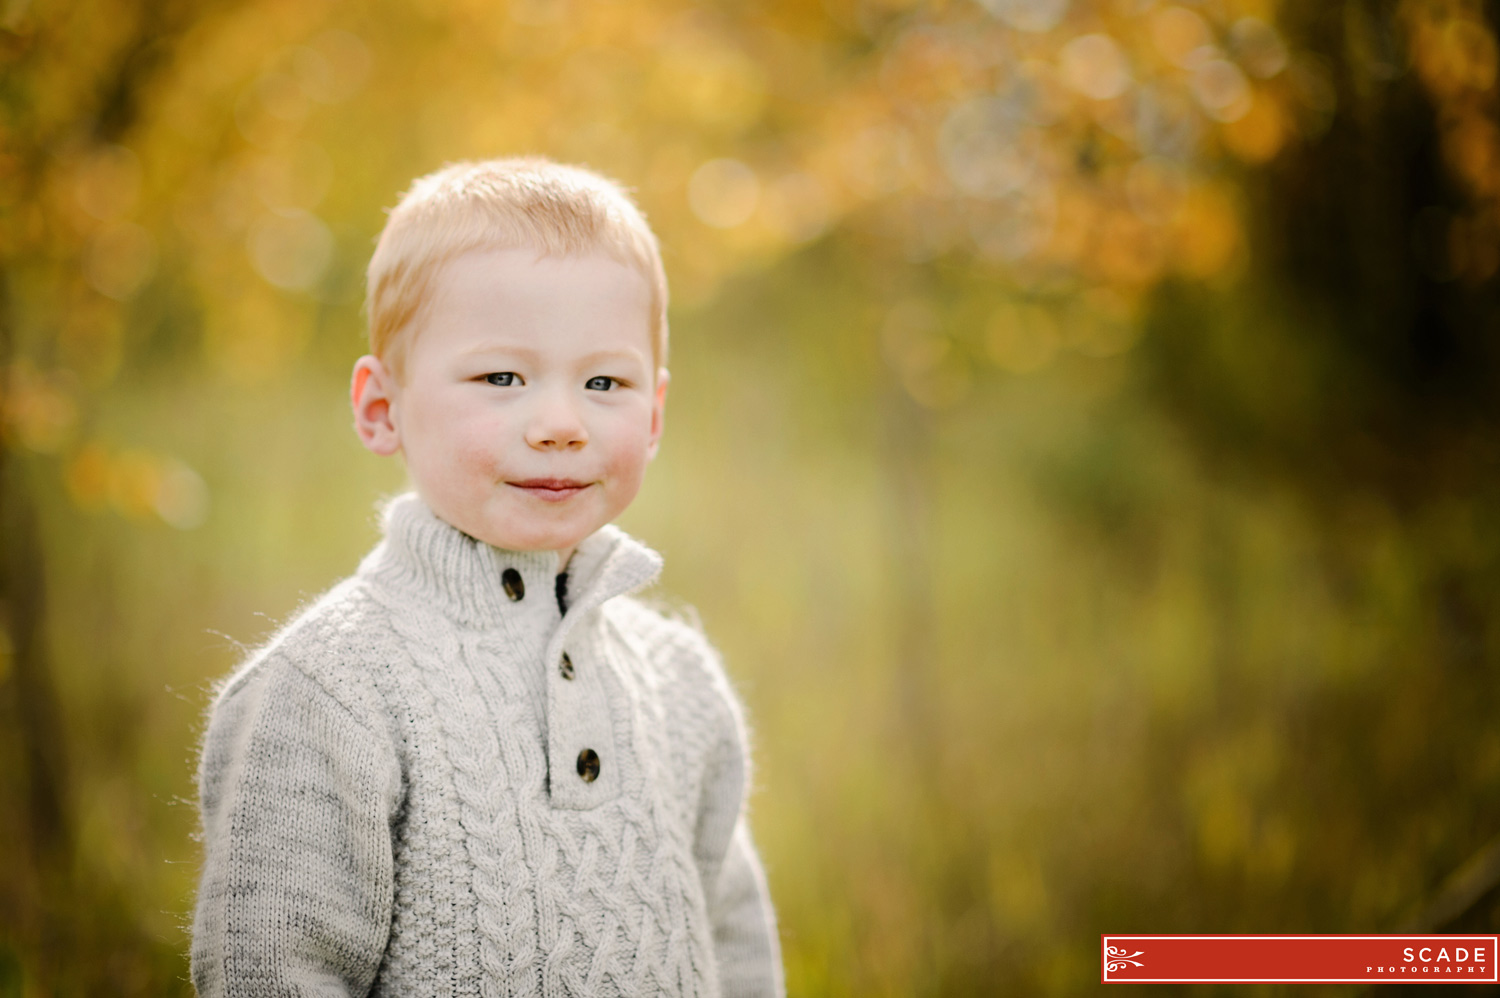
507, 538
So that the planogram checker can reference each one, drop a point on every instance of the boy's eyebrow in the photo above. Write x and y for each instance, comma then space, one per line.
612, 354
487, 349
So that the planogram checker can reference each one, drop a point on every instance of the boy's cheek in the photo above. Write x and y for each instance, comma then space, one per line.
473, 466
628, 442
637, 422
628, 467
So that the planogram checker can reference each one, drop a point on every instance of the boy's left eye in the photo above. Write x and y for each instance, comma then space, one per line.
600, 383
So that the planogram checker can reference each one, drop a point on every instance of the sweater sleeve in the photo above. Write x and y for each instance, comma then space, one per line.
745, 941
297, 798
746, 945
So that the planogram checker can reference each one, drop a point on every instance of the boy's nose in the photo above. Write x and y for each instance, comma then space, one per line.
556, 425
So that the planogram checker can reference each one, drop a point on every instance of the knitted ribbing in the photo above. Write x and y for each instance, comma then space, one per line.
392, 804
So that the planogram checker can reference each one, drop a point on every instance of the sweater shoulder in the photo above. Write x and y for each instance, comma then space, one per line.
671, 637
673, 644
336, 642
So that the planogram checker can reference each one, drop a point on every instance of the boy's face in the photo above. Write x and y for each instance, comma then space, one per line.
530, 404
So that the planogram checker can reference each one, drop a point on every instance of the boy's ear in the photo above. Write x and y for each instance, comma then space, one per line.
658, 410
372, 393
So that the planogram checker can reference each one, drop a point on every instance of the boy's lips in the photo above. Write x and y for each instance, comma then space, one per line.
550, 489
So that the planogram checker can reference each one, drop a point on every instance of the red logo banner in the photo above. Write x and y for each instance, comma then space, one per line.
1299, 958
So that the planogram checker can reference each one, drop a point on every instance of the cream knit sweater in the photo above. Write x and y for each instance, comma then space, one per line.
435, 782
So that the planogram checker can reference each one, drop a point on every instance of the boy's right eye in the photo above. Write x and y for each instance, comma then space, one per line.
504, 379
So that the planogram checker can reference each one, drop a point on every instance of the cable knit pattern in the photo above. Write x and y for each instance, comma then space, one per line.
394, 803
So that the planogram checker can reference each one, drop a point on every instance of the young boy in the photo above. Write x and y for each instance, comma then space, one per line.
477, 767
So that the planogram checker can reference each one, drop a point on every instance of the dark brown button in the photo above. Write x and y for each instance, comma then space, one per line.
567, 667
588, 765
515, 586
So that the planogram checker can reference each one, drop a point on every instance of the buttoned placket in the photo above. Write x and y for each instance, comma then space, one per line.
514, 592
584, 739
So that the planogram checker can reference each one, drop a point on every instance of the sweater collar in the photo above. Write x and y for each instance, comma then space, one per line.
466, 579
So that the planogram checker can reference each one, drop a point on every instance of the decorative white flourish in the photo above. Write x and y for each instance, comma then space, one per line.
1117, 958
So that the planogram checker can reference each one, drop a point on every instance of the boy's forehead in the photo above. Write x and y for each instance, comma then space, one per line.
526, 279
515, 298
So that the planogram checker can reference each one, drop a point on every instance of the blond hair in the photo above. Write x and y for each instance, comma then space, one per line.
502, 204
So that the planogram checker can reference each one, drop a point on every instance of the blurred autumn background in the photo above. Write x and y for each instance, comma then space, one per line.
1083, 441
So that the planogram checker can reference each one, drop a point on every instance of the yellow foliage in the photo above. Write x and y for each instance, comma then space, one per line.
1206, 233
36, 411
1260, 133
